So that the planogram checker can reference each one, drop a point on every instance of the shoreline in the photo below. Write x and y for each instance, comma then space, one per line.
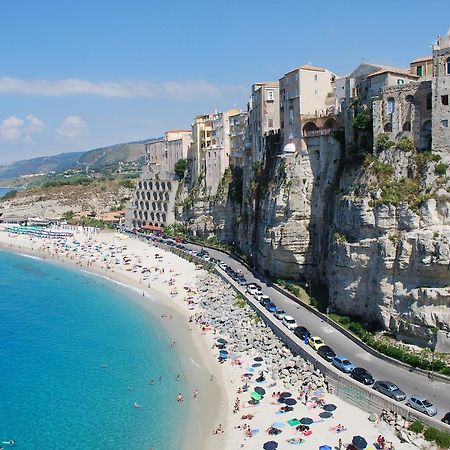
192, 351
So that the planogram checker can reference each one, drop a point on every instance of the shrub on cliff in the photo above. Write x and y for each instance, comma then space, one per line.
441, 168
180, 167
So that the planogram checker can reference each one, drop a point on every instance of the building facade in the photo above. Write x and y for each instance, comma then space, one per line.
440, 97
153, 203
303, 95
166, 151
238, 125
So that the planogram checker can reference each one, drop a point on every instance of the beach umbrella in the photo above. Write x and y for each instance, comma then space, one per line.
222, 341
294, 422
279, 425
270, 445
306, 421
326, 414
256, 365
260, 390
258, 359
247, 375
256, 396
329, 407
285, 394
325, 447
359, 442
250, 369
290, 401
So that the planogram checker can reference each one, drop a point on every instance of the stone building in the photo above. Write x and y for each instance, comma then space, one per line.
440, 97
166, 151
153, 202
404, 111
263, 111
422, 67
303, 93
238, 125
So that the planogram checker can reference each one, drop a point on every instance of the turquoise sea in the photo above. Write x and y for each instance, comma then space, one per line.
71, 345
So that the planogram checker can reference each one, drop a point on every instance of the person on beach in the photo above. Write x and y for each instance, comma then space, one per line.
180, 398
178, 377
172, 345
151, 382
339, 446
195, 394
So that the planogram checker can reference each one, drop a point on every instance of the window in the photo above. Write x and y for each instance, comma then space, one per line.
448, 66
291, 115
444, 123
270, 123
270, 97
419, 71
390, 106
429, 100
444, 99
400, 81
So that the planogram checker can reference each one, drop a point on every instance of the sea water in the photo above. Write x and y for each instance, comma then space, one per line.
76, 353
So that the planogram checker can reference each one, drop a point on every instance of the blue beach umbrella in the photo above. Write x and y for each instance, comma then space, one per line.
290, 401
359, 442
326, 414
279, 425
325, 447
306, 421
329, 407
285, 395
270, 445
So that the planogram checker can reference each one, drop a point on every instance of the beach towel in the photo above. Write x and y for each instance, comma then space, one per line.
295, 441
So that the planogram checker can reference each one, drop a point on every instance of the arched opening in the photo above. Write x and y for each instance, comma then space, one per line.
149, 196
429, 101
145, 215
136, 204
155, 196
158, 217
159, 206
407, 126
145, 185
141, 204
163, 216
161, 195
387, 127
409, 98
134, 224
139, 223
163, 185
330, 124
390, 106
447, 66
137, 194
309, 127
143, 195
140, 214
146, 205
425, 136
150, 185
152, 215
166, 196
140, 185
153, 206
135, 214
169, 186
157, 185
165, 206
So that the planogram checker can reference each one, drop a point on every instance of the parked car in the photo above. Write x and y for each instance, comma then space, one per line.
326, 353
264, 300
289, 322
271, 307
252, 289
446, 418
258, 295
279, 314
342, 363
390, 389
316, 342
223, 266
422, 404
241, 281
301, 332
362, 375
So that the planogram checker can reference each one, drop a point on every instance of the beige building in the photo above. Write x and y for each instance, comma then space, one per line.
422, 67
168, 150
238, 125
303, 94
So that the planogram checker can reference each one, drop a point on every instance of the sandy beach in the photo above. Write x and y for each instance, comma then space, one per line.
178, 294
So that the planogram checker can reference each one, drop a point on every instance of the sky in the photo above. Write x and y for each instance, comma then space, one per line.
77, 75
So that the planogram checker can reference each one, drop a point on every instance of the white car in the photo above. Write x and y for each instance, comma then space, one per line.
258, 295
252, 289
289, 322
279, 314
223, 266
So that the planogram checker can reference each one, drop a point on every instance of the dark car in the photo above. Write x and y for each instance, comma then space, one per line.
446, 418
390, 389
265, 300
301, 332
271, 307
326, 353
362, 375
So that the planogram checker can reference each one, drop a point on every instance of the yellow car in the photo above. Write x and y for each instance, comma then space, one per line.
316, 342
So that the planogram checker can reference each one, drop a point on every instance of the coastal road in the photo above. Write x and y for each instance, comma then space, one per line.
409, 381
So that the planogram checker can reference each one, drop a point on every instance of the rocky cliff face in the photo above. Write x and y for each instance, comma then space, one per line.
374, 230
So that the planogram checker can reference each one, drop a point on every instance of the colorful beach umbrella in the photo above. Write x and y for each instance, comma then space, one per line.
256, 365
285, 394
256, 396
329, 407
279, 425
290, 401
260, 390
258, 359
325, 447
294, 422
359, 442
270, 445
326, 414
306, 421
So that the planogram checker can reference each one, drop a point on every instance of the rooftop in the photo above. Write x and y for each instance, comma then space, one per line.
393, 70
422, 59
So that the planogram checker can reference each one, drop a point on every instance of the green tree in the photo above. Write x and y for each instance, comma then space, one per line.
180, 167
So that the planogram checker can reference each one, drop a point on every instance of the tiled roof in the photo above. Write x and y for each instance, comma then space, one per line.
422, 59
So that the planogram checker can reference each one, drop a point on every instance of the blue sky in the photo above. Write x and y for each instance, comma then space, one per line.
76, 75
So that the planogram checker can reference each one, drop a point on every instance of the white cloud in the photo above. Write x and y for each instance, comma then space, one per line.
15, 129
72, 126
11, 129
124, 89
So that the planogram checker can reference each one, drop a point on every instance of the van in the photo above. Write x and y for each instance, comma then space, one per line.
289, 322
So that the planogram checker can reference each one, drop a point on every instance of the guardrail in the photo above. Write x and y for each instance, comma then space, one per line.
339, 384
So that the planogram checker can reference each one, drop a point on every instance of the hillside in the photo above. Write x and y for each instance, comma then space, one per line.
92, 159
